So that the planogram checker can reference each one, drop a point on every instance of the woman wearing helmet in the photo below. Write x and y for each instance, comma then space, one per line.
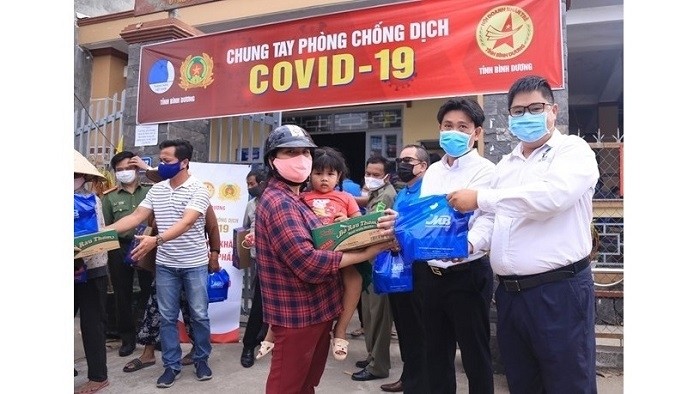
301, 287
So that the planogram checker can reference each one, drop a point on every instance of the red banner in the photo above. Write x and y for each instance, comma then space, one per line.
409, 51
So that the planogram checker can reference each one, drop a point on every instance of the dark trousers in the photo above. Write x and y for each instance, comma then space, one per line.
359, 310
122, 277
255, 325
299, 358
90, 299
546, 336
406, 308
456, 311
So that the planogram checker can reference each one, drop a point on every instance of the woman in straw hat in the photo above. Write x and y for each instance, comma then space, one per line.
90, 296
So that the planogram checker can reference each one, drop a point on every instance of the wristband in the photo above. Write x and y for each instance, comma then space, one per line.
215, 250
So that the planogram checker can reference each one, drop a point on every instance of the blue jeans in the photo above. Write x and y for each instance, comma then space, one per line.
169, 283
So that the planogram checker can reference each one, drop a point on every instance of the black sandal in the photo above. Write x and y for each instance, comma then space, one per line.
136, 364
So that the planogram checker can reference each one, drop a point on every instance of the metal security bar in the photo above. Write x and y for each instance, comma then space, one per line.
608, 226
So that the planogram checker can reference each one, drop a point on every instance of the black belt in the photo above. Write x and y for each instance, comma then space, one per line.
517, 283
455, 268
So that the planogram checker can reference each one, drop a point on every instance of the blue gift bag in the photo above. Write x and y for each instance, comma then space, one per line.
390, 274
84, 214
81, 276
428, 228
138, 231
217, 286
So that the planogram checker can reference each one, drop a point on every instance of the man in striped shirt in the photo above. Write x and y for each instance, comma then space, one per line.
178, 203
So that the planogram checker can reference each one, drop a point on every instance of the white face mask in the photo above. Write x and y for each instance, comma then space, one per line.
373, 183
126, 176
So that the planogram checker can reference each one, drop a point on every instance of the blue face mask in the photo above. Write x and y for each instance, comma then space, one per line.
454, 143
167, 171
529, 127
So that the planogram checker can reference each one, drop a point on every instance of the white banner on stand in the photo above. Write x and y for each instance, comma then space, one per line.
228, 193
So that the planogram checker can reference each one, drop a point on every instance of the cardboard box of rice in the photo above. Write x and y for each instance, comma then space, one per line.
354, 233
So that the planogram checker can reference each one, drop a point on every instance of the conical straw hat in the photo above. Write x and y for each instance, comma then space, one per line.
81, 165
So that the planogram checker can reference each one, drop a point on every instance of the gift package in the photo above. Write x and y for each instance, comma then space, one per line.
354, 233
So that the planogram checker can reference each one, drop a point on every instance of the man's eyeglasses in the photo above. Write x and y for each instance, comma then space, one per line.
407, 160
534, 108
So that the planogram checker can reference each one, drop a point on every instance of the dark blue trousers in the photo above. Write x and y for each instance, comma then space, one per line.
546, 336
456, 309
407, 311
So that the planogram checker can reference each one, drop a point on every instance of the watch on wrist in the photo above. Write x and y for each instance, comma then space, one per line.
159, 240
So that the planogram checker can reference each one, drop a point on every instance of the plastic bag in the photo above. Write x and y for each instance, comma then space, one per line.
134, 242
391, 274
428, 228
84, 214
81, 275
217, 286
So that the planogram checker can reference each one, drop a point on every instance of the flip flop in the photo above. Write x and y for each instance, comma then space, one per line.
340, 348
92, 387
357, 333
265, 348
136, 364
187, 360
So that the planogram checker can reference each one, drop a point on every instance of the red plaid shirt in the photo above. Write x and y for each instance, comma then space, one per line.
300, 285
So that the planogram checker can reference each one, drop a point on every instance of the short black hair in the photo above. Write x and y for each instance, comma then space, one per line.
328, 157
259, 174
531, 83
467, 105
183, 148
380, 159
421, 153
125, 154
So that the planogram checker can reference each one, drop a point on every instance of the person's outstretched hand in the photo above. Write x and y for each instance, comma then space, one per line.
463, 200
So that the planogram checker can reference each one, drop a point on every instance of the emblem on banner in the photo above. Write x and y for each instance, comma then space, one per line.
161, 76
504, 32
229, 191
197, 72
210, 188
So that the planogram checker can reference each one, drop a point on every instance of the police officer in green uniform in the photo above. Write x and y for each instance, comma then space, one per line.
118, 202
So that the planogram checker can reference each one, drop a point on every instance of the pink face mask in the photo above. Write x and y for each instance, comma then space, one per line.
295, 169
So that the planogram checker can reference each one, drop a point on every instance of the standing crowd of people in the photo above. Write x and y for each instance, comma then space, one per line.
529, 237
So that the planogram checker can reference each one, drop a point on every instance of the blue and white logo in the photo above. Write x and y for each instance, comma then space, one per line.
161, 76
438, 221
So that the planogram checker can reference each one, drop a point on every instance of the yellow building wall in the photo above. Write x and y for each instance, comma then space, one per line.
420, 122
198, 15
107, 77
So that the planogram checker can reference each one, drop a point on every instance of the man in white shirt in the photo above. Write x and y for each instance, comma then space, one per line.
182, 259
541, 196
458, 294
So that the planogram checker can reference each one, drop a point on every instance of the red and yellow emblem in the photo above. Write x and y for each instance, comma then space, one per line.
504, 32
229, 191
197, 71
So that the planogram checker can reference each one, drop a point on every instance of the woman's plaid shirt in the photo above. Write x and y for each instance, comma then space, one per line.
300, 285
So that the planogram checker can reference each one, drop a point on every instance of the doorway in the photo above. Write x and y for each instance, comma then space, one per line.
352, 146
